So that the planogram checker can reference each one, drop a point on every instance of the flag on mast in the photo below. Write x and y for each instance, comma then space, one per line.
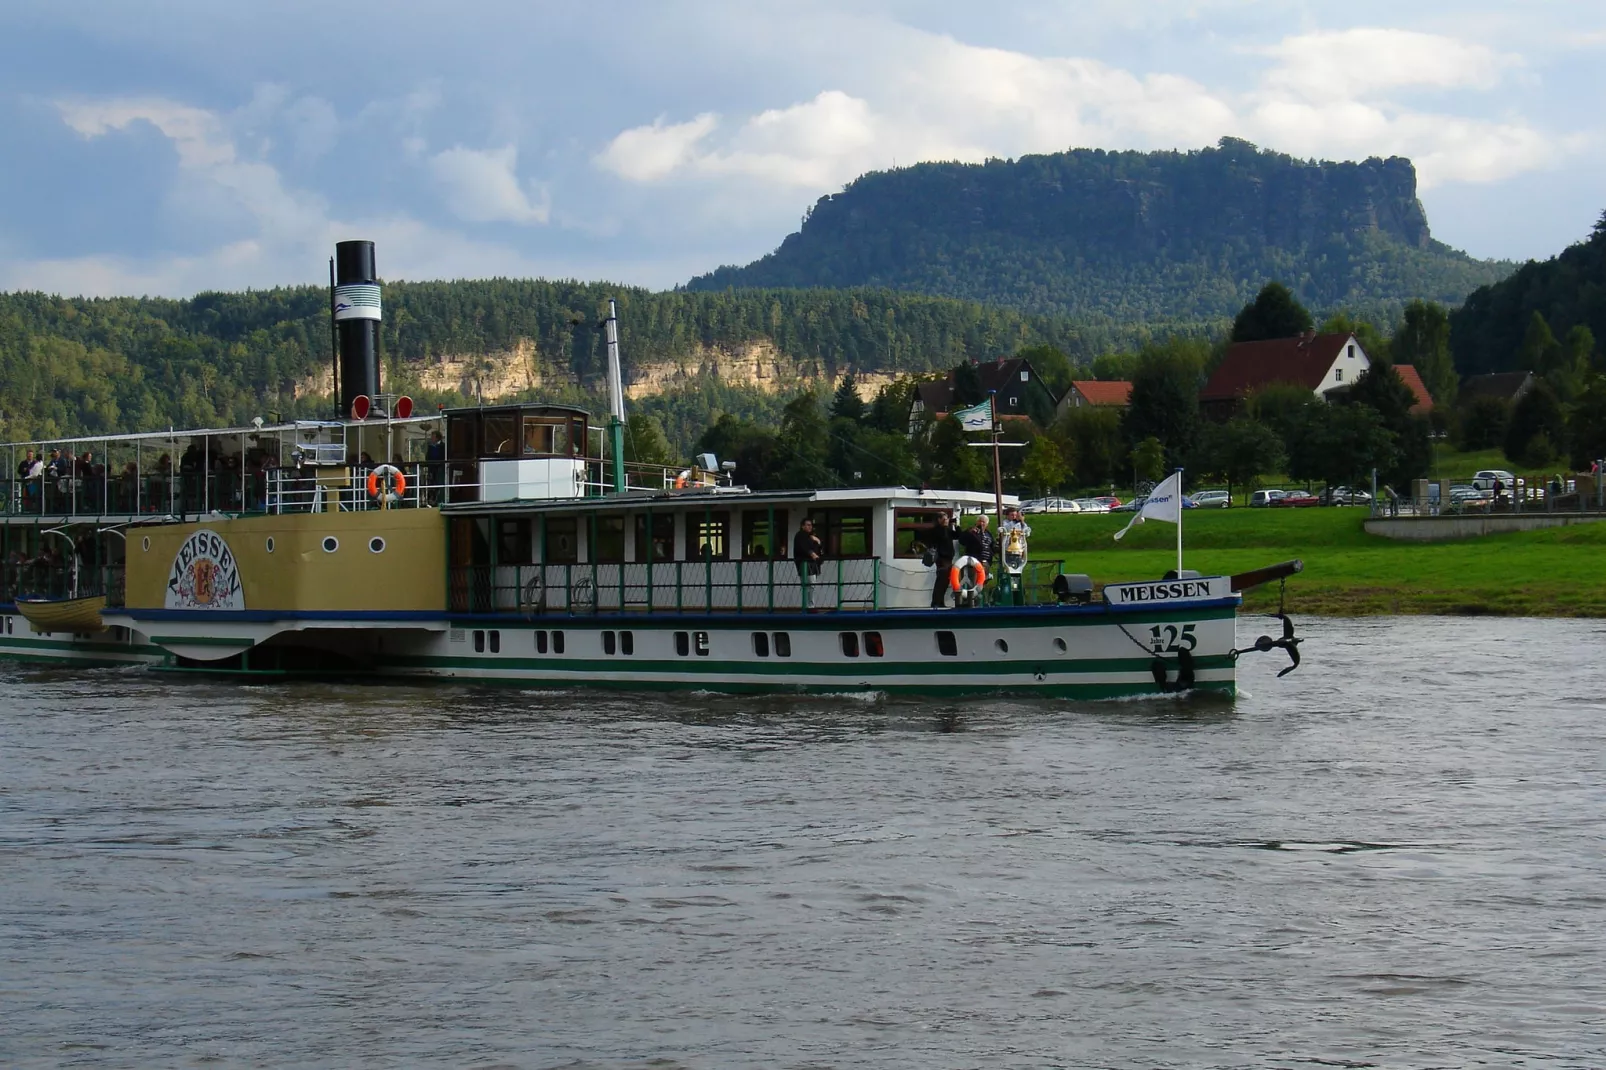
1163, 503
977, 417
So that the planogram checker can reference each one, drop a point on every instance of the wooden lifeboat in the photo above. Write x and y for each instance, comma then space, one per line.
75, 615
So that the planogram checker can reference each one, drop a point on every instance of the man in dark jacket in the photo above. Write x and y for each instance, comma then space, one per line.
978, 541
807, 550
940, 541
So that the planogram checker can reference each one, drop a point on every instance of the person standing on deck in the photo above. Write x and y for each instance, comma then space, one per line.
1013, 532
940, 541
807, 551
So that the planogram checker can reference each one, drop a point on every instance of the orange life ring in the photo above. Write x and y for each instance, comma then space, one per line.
393, 487
956, 574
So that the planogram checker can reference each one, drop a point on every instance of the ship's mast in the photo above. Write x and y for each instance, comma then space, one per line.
616, 399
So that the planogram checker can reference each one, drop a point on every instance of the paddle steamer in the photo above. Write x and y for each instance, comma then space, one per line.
511, 543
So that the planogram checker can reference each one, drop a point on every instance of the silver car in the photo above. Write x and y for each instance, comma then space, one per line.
1211, 499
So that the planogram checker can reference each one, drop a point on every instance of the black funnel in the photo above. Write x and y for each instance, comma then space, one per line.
357, 320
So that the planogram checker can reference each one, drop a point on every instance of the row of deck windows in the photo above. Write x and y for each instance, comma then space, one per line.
852, 644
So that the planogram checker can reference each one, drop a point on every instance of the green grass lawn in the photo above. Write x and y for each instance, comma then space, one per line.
1559, 572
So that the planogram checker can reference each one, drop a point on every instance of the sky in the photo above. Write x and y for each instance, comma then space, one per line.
174, 146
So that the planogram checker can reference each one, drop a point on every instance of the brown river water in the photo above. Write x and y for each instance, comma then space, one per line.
1394, 857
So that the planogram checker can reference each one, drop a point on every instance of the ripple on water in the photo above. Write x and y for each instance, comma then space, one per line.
1389, 858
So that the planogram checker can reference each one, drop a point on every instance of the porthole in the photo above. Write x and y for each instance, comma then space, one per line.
761, 644
783, 644
330, 544
376, 545
627, 642
269, 544
1003, 647
145, 544
1059, 644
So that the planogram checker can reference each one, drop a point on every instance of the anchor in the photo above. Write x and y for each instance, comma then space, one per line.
1289, 642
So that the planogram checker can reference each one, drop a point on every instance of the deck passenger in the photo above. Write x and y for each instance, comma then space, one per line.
807, 551
940, 540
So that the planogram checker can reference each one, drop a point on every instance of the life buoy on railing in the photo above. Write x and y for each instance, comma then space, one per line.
956, 575
387, 484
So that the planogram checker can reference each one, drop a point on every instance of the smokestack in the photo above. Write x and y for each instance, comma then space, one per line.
357, 320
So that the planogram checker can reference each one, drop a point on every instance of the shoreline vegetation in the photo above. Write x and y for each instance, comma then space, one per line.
1555, 572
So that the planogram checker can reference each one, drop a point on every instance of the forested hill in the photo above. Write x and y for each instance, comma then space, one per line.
1568, 291
69, 366
1129, 235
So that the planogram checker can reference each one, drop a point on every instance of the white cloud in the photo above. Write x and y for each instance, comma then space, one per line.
1329, 94
483, 186
1369, 61
649, 153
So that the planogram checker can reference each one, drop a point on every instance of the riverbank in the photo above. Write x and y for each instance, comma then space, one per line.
1559, 572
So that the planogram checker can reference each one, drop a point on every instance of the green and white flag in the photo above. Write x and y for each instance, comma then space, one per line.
977, 417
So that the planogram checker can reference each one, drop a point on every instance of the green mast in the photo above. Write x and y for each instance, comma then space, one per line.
616, 399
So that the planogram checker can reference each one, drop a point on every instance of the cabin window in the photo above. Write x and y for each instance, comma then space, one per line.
850, 644
557, 642
608, 646
501, 434
683, 643
662, 543
911, 528
761, 644
496, 642
845, 532
701, 642
783, 644
479, 641
462, 436
544, 438
627, 643
513, 543
610, 540
872, 645
946, 645
330, 544
540, 642
709, 534
758, 542
562, 541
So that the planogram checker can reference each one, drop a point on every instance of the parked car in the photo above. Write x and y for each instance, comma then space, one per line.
1348, 496
1262, 498
1485, 480
1211, 499
1091, 505
1110, 501
1050, 505
1297, 499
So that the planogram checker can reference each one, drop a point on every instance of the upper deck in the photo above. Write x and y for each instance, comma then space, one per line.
488, 453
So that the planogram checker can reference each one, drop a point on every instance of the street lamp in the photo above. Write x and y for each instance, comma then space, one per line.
1436, 437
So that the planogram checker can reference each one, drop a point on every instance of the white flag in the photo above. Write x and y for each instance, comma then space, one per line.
1163, 503
977, 417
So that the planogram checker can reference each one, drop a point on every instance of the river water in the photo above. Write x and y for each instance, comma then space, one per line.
1393, 857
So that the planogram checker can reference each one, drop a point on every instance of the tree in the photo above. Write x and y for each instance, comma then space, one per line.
1239, 451
1537, 414
1114, 367
1148, 461
1044, 469
1483, 423
1274, 313
890, 410
846, 403
967, 386
953, 463
1165, 398
1342, 445
1586, 427
1381, 389
1422, 340
645, 442
886, 460
1540, 351
803, 444
1051, 364
1366, 333
1090, 440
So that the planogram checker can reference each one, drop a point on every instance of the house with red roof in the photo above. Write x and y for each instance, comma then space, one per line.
1325, 364
1086, 393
